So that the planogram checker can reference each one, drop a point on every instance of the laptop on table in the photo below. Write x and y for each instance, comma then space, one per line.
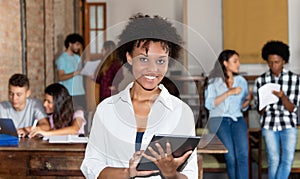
8, 133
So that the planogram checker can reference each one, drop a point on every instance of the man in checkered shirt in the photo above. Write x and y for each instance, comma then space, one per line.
279, 120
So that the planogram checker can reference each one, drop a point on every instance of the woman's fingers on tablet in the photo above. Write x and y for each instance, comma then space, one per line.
160, 150
168, 149
137, 155
185, 156
155, 155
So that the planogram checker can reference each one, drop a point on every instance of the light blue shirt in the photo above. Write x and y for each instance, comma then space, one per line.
112, 138
69, 64
232, 105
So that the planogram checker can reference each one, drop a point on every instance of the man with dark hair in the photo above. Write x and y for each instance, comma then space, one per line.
279, 120
22, 109
68, 69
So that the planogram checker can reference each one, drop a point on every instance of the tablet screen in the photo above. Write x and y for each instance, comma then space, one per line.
180, 144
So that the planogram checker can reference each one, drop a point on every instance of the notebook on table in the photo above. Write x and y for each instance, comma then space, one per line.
8, 133
67, 139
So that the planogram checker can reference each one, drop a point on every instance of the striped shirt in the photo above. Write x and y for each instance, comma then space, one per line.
276, 116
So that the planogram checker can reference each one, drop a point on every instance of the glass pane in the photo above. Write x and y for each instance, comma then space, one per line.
92, 17
100, 16
93, 41
100, 40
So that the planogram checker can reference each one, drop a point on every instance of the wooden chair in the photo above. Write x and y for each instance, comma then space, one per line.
211, 163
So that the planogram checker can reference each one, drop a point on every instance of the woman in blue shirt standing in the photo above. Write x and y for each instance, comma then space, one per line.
225, 97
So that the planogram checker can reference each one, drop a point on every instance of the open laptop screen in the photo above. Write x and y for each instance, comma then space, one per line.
7, 126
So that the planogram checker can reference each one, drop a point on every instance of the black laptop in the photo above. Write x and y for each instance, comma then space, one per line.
7, 126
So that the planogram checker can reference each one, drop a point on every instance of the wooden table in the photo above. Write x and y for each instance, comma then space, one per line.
35, 158
209, 144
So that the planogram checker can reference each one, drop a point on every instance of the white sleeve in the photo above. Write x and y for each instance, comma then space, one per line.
95, 160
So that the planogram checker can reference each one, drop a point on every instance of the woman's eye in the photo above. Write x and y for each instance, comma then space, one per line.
143, 59
161, 61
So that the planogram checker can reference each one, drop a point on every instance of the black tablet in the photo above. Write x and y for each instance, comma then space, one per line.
180, 144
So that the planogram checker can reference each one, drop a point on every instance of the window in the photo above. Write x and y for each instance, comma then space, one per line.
94, 28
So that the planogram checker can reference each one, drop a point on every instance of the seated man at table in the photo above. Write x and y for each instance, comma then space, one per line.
22, 109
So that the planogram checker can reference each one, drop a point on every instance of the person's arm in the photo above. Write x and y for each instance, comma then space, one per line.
165, 161
256, 86
123, 173
131, 172
73, 129
231, 91
247, 101
62, 76
22, 132
249, 97
43, 124
285, 100
110, 172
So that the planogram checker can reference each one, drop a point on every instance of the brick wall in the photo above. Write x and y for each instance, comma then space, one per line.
35, 29
10, 43
48, 22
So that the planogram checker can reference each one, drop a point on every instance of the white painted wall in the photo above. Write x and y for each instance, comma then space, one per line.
205, 40
204, 19
119, 11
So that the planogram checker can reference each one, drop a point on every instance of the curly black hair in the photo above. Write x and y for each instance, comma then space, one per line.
143, 28
276, 48
73, 38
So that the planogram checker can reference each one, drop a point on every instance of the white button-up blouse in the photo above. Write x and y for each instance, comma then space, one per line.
112, 137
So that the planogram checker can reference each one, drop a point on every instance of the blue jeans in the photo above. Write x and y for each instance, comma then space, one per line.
280, 147
234, 135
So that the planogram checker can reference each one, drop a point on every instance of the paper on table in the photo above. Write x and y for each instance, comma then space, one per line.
67, 139
266, 96
90, 67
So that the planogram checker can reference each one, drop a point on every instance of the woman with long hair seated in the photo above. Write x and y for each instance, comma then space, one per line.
63, 118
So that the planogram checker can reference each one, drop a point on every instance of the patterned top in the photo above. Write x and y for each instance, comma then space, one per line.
276, 116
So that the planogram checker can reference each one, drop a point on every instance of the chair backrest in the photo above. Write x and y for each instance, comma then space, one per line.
298, 140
